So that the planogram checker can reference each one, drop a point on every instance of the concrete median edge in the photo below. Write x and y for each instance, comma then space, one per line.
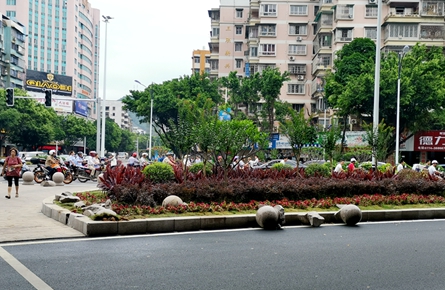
179, 224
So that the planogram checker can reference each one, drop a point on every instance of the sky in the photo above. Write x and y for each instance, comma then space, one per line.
150, 41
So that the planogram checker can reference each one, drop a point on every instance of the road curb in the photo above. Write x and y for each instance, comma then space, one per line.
180, 224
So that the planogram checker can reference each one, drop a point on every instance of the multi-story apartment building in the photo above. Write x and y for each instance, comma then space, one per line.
63, 38
12, 61
303, 37
200, 61
114, 110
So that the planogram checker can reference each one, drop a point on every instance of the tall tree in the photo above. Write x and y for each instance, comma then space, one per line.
271, 82
299, 130
168, 97
36, 123
71, 129
342, 88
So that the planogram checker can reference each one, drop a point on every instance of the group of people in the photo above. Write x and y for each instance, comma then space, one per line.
90, 161
133, 161
431, 166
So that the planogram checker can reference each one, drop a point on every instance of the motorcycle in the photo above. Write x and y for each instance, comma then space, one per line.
84, 173
41, 173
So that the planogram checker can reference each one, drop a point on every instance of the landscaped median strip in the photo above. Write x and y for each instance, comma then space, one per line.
179, 224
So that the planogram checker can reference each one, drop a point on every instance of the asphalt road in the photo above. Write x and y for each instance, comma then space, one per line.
407, 255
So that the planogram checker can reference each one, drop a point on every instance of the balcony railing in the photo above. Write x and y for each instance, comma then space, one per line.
432, 8
322, 62
325, 21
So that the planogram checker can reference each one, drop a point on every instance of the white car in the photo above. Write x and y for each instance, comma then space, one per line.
32, 154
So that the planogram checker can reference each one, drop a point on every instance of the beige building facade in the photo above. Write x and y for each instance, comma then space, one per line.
302, 37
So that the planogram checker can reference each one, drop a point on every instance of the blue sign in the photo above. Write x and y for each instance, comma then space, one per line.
225, 115
275, 136
247, 69
81, 108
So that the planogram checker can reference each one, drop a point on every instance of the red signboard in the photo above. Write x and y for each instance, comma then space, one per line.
429, 141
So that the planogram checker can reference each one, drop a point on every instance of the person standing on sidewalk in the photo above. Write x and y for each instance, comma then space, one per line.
12, 167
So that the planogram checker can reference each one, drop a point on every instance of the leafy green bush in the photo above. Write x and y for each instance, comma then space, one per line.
280, 166
315, 169
195, 168
385, 167
159, 172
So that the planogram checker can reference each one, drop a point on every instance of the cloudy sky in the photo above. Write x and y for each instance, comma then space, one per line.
150, 41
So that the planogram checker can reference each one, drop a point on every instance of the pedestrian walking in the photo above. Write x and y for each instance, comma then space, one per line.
12, 168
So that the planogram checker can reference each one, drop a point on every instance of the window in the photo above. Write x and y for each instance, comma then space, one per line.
253, 32
253, 108
431, 32
298, 107
402, 30
299, 49
215, 31
345, 12
239, 63
298, 10
435, 8
11, 2
254, 51
371, 11
344, 34
239, 13
371, 32
197, 59
238, 30
297, 69
253, 68
295, 88
268, 10
268, 30
267, 49
297, 29
10, 14
238, 46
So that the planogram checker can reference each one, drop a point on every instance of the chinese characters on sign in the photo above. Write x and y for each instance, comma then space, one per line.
429, 141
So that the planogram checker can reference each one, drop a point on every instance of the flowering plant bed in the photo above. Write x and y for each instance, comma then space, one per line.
365, 202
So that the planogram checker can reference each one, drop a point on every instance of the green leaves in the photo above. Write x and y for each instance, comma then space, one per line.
299, 130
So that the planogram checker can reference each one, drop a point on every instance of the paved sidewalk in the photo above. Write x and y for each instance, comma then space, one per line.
21, 218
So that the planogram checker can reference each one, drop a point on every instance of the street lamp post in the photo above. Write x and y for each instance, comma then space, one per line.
375, 119
401, 55
102, 145
151, 117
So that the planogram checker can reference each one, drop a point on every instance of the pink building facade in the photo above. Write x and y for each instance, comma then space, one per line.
302, 37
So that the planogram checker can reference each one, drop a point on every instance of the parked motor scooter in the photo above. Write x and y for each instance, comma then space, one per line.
41, 173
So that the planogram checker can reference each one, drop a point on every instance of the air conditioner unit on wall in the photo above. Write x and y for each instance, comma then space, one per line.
372, 1
300, 78
353, 121
299, 38
292, 58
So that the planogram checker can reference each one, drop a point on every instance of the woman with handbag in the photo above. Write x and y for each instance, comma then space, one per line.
12, 168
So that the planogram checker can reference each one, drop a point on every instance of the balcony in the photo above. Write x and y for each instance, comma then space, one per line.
322, 62
432, 8
324, 21
344, 12
322, 41
214, 48
214, 15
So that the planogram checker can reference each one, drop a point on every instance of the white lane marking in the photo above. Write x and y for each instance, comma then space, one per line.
71, 240
32, 278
